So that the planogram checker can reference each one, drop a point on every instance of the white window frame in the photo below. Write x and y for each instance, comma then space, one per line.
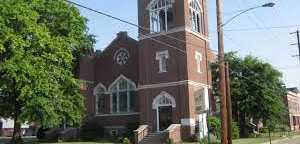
99, 90
130, 88
162, 57
198, 57
155, 7
196, 16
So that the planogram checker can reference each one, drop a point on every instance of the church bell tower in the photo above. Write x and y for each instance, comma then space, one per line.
174, 80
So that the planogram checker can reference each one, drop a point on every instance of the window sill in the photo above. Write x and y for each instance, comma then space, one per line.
161, 72
118, 114
197, 34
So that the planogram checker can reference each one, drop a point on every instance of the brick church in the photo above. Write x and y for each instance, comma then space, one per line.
161, 79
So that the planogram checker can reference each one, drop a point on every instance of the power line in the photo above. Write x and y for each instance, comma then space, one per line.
132, 24
264, 28
135, 25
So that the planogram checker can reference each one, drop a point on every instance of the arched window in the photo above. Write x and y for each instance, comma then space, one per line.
196, 16
122, 95
161, 15
163, 99
99, 93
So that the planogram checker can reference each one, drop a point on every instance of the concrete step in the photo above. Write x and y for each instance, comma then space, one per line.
153, 138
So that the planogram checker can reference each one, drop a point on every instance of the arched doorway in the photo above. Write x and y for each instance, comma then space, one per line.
163, 105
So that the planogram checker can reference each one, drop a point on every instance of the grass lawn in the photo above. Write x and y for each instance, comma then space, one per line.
102, 141
80, 143
265, 138
254, 140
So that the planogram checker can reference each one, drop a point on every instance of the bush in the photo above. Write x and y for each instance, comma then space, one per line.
212, 141
126, 141
214, 125
41, 133
130, 128
235, 130
91, 130
169, 141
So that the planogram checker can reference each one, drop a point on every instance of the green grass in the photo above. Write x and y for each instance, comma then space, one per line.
264, 138
254, 140
80, 143
101, 141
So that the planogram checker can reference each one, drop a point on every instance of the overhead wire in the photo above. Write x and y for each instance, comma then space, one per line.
138, 26
130, 23
263, 28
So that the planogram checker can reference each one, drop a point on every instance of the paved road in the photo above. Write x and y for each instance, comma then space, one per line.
289, 141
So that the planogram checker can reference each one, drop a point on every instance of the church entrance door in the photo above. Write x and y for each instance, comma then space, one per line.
164, 117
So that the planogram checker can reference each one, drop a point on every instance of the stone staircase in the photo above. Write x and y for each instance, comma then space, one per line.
153, 138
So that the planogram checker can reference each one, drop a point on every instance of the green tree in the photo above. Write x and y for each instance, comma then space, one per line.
41, 42
257, 91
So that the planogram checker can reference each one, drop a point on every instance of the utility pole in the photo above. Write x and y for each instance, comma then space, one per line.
222, 83
229, 110
298, 43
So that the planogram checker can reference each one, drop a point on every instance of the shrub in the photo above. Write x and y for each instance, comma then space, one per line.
214, 124
126, 141
130, 128
169, 141
41, 133
91, 130
235, 130
205, 141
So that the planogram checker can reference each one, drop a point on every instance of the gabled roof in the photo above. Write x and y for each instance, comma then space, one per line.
121, 36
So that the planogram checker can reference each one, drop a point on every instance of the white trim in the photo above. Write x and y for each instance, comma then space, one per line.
99, 86
198, 57
120, 50
117, 114
157, 119
201, 36
196, 16
174, 30
160, 53
202, 123
188, 122
118, 93
163, 94
170, 84
153, 1
197, 1
206, 99
156, 104
97, 93
163, 65
121, 77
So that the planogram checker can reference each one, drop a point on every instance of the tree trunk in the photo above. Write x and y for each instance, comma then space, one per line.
17, 134
243, 126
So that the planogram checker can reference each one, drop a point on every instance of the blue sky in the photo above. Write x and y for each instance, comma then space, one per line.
270, 45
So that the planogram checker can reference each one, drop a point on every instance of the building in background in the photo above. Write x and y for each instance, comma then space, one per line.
7, 127
292, 101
